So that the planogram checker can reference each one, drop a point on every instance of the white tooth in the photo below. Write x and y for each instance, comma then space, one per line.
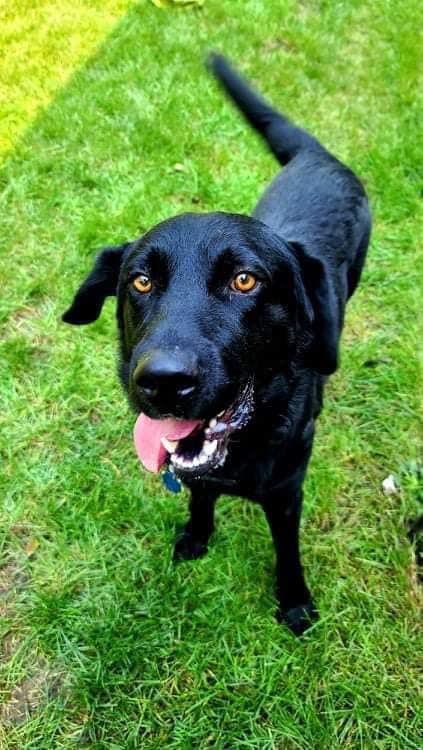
203, 457
170, 445
221, 413
209, 447
196, 461
213, 422
207, 432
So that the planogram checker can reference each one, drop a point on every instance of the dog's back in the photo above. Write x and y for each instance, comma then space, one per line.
316, 201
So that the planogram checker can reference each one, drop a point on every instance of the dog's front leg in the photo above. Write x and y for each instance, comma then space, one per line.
296, 607
191, 543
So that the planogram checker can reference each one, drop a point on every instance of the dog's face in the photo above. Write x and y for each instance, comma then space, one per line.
210, 308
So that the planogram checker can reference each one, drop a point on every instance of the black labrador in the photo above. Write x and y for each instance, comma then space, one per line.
231, 324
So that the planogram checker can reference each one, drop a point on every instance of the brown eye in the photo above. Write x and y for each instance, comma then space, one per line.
244, 282
143, 284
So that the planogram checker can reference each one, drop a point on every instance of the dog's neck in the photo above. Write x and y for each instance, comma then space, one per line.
277, 422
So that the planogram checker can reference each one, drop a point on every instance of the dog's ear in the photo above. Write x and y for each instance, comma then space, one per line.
326, 317
319, 314
100, 283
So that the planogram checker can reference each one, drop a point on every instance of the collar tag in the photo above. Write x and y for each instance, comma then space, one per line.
170, 481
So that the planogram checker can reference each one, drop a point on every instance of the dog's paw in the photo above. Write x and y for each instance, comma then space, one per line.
300, 618
188, 548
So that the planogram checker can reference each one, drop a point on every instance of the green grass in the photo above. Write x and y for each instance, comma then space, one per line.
106, 644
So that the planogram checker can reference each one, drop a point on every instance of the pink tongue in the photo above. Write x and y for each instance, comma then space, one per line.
149, 432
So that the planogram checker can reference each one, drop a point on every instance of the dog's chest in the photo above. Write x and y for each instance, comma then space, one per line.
254, 469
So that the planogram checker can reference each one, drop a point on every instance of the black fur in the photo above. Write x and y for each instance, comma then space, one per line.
306, 243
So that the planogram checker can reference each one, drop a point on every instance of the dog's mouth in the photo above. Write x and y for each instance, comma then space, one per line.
192, 448
206, 447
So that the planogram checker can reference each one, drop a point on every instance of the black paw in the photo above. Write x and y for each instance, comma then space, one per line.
299, 618
188, 548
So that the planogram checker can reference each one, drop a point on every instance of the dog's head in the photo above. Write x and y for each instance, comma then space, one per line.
210, 307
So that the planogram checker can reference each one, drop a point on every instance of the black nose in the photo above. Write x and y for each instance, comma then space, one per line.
166, 378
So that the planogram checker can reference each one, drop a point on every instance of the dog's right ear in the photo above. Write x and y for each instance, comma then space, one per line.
100, 283
326, 314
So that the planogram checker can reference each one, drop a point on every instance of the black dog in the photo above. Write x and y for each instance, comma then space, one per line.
228, 328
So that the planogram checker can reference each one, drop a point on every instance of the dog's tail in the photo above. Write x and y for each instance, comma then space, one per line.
284, 139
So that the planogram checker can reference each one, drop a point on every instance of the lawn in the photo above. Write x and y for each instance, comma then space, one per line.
105, 643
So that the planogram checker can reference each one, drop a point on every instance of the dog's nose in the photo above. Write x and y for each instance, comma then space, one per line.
166, 378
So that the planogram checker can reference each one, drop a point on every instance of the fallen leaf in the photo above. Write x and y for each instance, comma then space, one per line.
169, 3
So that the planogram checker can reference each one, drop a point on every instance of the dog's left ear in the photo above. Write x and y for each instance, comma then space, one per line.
100, 283
326, 321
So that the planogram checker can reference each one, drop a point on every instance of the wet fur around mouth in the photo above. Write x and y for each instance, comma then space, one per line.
206, 448
305, 244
